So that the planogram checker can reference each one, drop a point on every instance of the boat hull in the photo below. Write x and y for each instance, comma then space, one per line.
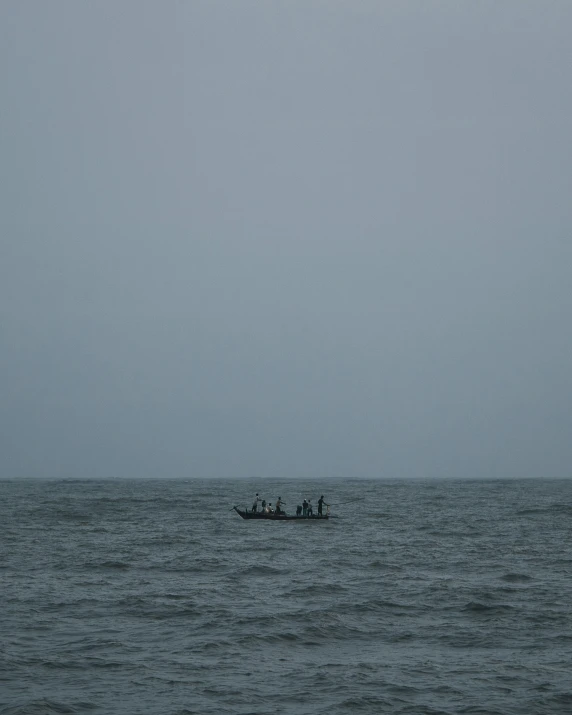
278, 517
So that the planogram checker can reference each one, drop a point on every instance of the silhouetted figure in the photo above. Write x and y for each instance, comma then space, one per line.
321, 503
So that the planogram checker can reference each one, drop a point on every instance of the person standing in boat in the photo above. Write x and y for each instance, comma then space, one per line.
321, 503
305, 507
310, 512
255, 505
279, 503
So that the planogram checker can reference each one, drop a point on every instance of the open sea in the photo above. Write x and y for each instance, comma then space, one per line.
152, 597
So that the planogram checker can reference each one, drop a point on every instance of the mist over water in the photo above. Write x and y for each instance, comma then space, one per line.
151, 596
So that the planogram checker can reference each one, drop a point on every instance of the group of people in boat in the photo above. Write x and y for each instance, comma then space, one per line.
304, 509
266, 507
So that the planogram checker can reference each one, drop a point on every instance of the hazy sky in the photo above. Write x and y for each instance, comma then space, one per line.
286, 239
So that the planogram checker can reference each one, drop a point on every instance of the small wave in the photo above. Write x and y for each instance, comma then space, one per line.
384, 566
478, 710
428, 710
467, 639
47, 707
479, 607
398, 689
169, 540
173, 596
469, 532
107, 564
59, 514
319, 589
88, 662
143, 608
308, 632
565, 509
562, 698
561, 508
381, 605
103, 664
285, 637
401, 637
205, 565
224, 644
366, 703
70, 603
262, 571
516, 578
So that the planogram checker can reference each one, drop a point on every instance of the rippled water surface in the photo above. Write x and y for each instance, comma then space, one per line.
152, 597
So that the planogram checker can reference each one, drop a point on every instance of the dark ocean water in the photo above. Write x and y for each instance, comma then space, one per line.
152, 597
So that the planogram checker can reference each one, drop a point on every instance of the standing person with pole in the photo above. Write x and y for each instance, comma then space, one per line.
321, 503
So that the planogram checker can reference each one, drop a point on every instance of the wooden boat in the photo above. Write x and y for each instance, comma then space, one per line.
278, 517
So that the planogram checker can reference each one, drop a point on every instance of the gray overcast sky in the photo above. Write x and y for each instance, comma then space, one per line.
286, 239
